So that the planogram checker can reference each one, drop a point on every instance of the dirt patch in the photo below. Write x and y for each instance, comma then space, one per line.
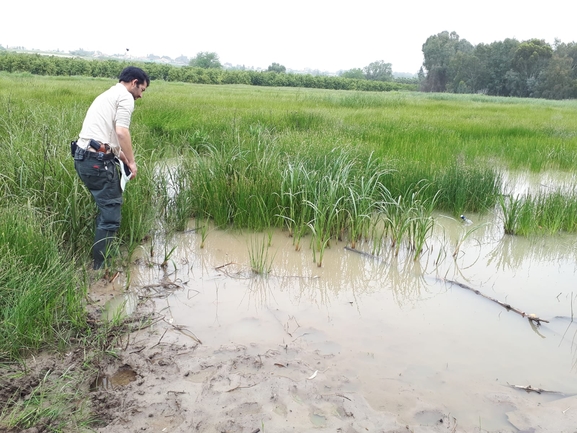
49, 387
192, 387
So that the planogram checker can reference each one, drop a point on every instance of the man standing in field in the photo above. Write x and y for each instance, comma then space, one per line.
105, 135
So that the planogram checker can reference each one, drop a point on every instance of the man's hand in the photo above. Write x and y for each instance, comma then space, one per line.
131, 166
133, 169
126, 152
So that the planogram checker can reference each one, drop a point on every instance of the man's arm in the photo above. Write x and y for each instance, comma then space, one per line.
126, 154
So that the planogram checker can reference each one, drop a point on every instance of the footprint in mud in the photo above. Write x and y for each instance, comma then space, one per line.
122, 377
317, 419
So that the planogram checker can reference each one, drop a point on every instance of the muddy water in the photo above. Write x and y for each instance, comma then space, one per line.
405, 337
520, 183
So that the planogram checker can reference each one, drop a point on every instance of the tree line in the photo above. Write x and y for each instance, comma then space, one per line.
70, 66
531, 68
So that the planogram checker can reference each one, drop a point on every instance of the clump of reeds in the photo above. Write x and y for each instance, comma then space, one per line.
540, 213
408, 219
259, 256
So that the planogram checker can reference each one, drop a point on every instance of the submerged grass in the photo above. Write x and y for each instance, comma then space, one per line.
259, 256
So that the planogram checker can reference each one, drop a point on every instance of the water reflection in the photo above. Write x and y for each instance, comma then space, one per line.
485, 258
513, 252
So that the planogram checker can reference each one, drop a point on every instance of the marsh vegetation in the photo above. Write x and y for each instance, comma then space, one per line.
325, 166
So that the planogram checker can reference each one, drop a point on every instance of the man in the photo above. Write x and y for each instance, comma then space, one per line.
105, 135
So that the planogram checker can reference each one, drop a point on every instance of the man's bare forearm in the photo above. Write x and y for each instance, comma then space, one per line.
127, 153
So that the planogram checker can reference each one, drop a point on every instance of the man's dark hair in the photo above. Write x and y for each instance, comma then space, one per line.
132, 72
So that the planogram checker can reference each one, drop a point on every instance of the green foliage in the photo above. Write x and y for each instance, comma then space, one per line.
276, 67
543, 213
355, 73
504, 68
259, 257
329, 166
556, 80
61, 66
438, 51
205, 60
378, 71
40, 297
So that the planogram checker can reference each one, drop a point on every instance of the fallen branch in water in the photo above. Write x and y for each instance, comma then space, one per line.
182, 329
362, 253
168, 286
531, 317
529, 388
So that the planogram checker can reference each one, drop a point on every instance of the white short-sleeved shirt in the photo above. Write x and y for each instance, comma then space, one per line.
110, 109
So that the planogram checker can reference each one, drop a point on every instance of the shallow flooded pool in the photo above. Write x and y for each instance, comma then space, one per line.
405, 337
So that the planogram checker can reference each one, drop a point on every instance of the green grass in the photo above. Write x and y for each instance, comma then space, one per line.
55, 402
326, 165
259, 256
541, 213
41, 294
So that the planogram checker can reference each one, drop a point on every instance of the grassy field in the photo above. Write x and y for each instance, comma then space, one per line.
324, 164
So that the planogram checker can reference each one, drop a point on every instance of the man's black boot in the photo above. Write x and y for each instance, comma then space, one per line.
101, 248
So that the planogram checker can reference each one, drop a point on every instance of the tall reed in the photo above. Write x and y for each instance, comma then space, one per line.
41, 295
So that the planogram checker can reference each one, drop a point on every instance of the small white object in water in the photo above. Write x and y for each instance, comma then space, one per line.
466, 220
313, 375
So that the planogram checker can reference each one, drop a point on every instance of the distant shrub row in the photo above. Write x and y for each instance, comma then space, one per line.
70, 66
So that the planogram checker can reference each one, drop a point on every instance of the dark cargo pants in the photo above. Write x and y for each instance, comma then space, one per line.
100, 175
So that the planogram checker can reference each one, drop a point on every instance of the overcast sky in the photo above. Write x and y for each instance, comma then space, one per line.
319, 34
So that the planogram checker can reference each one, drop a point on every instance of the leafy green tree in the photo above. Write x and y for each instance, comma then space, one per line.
355, 73
378, 71
465, 70
438, 51
567, 50
497, 58
529, 60
276, 67
556, 80
206, 60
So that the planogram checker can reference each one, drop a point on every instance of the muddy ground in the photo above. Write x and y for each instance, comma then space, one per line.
164, 379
